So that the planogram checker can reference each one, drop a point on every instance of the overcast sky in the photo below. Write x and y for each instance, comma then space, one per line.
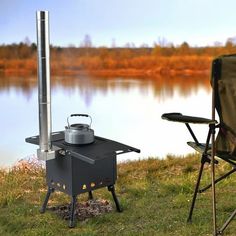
198, 22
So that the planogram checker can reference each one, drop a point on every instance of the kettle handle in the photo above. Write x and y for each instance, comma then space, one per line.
84, 115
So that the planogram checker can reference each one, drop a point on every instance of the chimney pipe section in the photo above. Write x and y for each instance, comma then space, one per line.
45, 151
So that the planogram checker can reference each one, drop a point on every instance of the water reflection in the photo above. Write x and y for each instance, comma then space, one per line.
124, 109
163, 87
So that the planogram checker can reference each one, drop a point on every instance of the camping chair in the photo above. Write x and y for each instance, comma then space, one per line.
223, 82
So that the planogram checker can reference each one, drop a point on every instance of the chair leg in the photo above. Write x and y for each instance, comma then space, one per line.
227, 222
218, 180
111, 188
43, 208
90, 195
195, 192
72, 212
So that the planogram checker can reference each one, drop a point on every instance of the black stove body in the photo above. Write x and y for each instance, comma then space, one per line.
82, 168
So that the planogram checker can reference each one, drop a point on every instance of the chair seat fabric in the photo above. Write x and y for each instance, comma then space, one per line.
201, 148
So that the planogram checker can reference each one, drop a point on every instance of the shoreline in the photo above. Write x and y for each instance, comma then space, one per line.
113, 73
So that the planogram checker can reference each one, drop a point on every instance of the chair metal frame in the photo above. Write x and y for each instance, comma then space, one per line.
208, 152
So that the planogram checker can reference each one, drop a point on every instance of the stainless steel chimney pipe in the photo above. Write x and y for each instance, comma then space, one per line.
45, 151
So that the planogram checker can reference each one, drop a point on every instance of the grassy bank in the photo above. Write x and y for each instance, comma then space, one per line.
155, 195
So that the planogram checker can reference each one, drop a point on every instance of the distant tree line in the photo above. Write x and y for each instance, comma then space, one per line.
26, 51
162, 58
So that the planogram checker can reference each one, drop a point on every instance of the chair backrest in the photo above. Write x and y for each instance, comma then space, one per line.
224, 100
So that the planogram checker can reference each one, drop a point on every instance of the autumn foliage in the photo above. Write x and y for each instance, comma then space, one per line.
21, 59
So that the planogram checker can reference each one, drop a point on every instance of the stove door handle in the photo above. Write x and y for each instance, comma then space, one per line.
81, 157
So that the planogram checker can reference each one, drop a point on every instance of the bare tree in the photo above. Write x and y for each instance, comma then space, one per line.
113, 43
87, 42
27, 41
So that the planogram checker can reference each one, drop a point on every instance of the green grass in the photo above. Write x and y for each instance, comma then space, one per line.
155, 195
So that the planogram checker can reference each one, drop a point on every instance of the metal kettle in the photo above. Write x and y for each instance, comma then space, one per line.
79, 134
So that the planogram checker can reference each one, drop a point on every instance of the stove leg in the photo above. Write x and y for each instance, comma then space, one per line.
72, 212
90, 195
111, 188
43, 208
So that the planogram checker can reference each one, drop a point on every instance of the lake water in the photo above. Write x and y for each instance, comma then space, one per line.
127, 110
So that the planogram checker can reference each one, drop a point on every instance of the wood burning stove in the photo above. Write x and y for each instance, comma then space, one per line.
72, 169
82, 168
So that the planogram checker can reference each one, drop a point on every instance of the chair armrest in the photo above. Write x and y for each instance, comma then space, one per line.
178, 117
